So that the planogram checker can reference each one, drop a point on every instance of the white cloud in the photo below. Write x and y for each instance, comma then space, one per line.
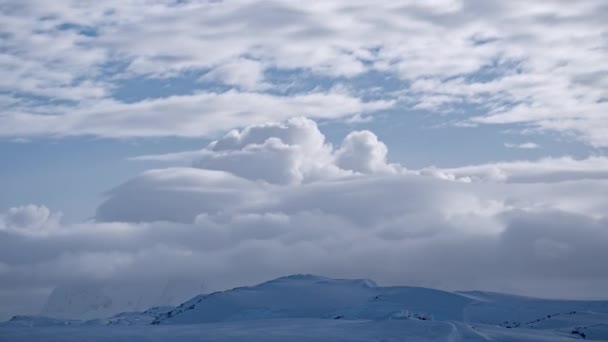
200, 114
362, 152
543, 170
524, 146
244, 73
538, 65
290, 152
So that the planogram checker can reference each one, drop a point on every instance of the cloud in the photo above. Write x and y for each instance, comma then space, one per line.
245, 73
362, 152
398, 229
292, 152
206, 191
448, 55
385, 222
524, 146
289, 152
537, 229
200, 114
29, 218
543, 170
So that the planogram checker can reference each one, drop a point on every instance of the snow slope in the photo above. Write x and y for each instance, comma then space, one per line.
313, 308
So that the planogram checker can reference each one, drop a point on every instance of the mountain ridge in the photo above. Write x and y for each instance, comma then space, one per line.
304, 300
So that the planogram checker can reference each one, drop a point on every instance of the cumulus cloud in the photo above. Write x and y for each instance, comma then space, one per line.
362, 152
289, 152
278, 153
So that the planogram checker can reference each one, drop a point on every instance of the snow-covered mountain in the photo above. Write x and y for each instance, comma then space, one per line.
308, 296
313, 308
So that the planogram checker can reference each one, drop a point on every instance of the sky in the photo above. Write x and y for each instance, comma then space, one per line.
456, 144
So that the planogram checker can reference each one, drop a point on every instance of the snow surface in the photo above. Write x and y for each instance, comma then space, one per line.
313, 308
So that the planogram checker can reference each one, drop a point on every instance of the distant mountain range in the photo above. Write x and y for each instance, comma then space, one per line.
89, 301
314, 308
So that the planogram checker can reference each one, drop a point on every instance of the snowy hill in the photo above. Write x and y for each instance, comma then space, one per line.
313, 308
307, 296
300, 296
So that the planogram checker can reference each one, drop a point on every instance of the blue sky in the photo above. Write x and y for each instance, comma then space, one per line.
251, 124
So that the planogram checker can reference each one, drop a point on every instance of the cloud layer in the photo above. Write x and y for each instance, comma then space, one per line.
539, 66
275, 199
